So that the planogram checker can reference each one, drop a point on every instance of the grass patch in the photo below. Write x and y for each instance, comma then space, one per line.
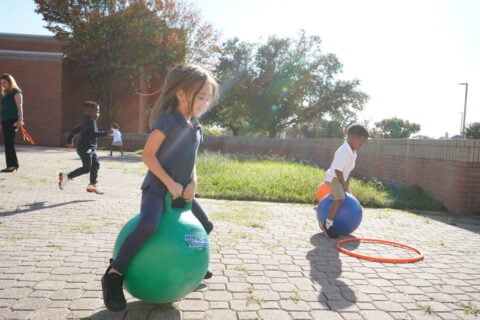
242, 215
81, 228
427, 308
237, 177
294, 296
469, 308
243, 269
240, 177
251, 298
17, 237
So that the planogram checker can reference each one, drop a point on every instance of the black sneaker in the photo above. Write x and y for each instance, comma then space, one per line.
329, 233
208, 275
112, 287
332, 233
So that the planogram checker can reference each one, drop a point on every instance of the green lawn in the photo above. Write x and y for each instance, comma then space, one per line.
242, 177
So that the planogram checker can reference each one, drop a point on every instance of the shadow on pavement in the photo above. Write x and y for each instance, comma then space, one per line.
37, 206
131, 158
325, 269
140, 310
470, 222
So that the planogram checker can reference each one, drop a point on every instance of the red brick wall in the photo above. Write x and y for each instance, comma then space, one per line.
54, 91
133, 115
22, 42
36, 64
76, 89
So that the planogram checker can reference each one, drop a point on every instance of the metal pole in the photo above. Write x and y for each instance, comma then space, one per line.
464, 110
461, 123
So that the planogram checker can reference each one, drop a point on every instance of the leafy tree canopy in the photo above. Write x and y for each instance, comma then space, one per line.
473, 130
118, 41
395, 128
283, 82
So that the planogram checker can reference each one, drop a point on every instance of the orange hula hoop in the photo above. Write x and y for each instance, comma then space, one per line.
380, 259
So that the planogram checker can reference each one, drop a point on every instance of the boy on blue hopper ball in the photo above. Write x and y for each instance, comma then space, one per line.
337, 175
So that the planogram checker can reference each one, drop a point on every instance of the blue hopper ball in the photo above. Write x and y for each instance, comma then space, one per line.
348, 217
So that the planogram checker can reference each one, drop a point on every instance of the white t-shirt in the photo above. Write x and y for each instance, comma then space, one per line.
117, 135
344, 160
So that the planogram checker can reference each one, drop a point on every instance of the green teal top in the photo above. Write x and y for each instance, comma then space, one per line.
9, 106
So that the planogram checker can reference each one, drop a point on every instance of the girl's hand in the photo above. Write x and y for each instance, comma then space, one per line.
176, 189
19, 124
189, 191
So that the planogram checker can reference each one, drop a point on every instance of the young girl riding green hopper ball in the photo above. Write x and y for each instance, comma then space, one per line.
170, 154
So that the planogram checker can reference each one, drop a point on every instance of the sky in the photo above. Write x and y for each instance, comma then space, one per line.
409, 55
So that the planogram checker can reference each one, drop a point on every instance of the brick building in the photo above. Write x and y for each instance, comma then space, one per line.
54, 91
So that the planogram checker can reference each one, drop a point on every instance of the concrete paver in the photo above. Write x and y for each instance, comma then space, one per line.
269, 259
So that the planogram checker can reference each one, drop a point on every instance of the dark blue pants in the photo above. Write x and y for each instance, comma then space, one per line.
89, 164
9, 130
151, 211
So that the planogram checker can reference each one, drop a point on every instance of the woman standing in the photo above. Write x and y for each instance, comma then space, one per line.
12, 118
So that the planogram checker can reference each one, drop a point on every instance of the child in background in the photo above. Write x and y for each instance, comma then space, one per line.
117, 138
170, 154
86, 148
337, 175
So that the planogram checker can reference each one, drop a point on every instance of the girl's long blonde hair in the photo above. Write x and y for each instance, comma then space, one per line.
11, 80
186, 77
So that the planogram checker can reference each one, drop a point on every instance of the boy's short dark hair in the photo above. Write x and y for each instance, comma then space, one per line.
115, 125
90, 105
357, 130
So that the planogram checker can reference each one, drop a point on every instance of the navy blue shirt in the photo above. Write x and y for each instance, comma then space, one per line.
88, 135
178, 152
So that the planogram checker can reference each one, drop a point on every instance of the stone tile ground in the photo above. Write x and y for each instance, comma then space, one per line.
269, 259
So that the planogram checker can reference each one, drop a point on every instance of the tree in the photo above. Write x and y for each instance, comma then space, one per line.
289, 82
118, 41
473, 130
235, 75
396, 128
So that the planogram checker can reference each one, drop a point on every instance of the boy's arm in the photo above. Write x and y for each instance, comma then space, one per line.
91, 129
72, 134
98, 133
341, 179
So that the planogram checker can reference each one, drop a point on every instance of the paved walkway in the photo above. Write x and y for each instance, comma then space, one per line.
269, 259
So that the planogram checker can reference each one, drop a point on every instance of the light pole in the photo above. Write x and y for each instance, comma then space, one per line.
464, 109
461, 123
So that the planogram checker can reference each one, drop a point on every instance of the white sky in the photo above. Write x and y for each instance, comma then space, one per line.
408, 54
